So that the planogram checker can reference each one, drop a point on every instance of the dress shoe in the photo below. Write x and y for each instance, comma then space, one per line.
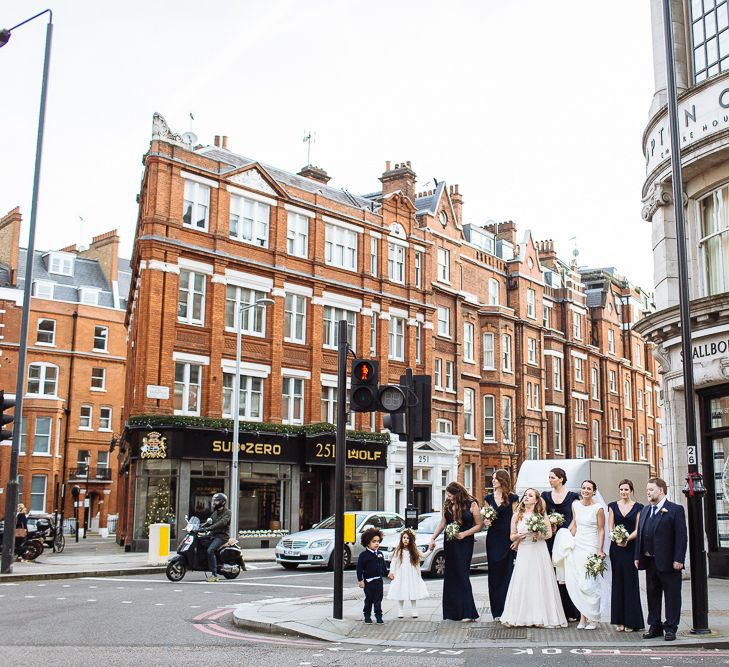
652, 633
670, 636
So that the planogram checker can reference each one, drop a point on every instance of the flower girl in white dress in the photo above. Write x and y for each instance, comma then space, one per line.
407, 582
533, 596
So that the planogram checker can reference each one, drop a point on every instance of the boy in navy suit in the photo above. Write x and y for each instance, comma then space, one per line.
660, 550
370, 570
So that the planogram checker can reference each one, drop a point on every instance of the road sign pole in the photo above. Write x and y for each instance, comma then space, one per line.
340, 454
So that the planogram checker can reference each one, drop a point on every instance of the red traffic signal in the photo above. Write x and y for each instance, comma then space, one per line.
365, 380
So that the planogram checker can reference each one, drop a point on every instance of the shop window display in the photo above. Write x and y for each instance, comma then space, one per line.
157, 496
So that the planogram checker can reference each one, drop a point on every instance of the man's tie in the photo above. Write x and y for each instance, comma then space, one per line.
653, 510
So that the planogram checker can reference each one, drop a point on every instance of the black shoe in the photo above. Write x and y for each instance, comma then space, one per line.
380, 621
368, 621
653, 633
670, 636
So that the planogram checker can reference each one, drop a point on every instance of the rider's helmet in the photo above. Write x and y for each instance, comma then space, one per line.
219, 500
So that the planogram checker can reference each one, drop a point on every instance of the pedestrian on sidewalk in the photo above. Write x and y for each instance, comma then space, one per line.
21, 530
626, 611
407, 582
370, 570
660, 550
499, 553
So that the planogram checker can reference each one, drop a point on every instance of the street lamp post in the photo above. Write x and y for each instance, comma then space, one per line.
234, 479
11, 489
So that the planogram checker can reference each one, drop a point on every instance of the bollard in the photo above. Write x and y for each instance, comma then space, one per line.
159, 543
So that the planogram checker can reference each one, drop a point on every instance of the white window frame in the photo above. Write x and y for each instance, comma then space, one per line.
444, 426
580, 411
89, 296
101, 333
196, 197
249, 221
580, 450
579, 370
36, 506
595, 439
649, 401
537, 397
444, 321
627, 395
639, 398
577, 325
533, 447
469, 412
188, 389
507, 418
546, 316
251, 386
468, 342
713, 244
418, 268
493, 292
611, 341
106, 418
558, 432
641, 447
532, 351
418, 342
252, 320
531, 304
613, 382
297, 235
396, 262
594, 383
332, 315
292, 392
294, 318
328, 399
43, 289
340, 247
47, 437
51, 333
557, 373
489, 418
61, 264
628, 443
489, 352
95, 377
43, 379
438, 373
396, 338
189, 296
506, 360
86, 418
374, 256
450, 375
444, 265
373, 334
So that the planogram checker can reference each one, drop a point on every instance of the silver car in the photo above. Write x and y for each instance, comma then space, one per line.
316, 545
434, 561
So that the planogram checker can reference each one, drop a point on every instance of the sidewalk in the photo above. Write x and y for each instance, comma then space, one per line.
98, 557
311, 616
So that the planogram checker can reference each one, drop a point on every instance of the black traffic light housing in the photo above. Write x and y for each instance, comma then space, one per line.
364, 394
422, 386
5, 404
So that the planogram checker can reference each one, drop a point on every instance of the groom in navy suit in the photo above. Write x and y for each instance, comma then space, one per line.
660, 550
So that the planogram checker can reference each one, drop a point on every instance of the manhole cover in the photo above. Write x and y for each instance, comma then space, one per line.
497, 633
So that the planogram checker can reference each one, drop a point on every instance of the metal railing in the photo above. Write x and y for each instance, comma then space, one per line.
101, 474
111, 522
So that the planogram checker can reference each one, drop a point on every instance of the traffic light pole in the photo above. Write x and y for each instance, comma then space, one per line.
339, 463
410, 412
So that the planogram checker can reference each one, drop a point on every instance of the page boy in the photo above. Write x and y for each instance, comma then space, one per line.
370, 570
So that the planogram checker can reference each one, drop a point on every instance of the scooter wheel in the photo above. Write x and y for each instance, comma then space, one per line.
175, 570
231, 575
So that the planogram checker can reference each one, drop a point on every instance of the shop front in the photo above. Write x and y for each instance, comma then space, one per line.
285, 480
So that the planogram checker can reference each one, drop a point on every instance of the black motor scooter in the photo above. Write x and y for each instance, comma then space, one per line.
192, 554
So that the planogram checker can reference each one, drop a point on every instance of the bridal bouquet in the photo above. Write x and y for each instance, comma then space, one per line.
556, 519
488, 513
451, 530
536, 525
619, 534
595, 566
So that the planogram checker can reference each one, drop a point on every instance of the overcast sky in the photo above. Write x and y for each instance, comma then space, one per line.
536, 108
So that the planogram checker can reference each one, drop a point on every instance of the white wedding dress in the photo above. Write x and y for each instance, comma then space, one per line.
533, 596
570, 554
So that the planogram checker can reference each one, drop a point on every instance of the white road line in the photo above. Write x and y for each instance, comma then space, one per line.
90, 600
30, 596
159, 604
66, 586
41, 585
126, 601
60, 598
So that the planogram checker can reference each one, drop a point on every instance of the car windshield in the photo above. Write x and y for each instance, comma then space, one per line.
429, 523
329, 521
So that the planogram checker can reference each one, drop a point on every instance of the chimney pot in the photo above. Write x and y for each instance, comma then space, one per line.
225, 141
387, 165
217, 140
408, 163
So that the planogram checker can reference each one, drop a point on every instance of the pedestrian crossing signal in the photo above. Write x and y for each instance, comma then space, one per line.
365, 385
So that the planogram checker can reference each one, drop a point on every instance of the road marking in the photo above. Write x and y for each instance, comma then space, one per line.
60, 598
90, 600
159, 604
177, 590
41, 585
66, 586
93, 586
30, 596
126, 602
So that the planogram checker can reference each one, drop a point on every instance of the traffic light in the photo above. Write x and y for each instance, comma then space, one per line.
396, 424
365, 392
421, 418
5, 404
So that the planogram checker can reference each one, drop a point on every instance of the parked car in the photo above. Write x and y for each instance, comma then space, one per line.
434, 561
316, 545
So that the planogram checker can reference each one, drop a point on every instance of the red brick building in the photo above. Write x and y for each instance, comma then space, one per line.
510, 335
75, 376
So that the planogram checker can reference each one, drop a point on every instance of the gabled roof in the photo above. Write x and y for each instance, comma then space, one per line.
429, 203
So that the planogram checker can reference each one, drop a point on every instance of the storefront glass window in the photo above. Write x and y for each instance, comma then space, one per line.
363, 489
719, 412
156, 496
721, 478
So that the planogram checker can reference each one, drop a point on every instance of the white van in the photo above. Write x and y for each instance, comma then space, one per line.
606, 474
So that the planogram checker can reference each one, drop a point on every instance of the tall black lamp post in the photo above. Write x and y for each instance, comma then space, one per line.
11, 490
694, 489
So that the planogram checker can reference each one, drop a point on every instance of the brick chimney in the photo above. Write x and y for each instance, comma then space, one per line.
315, 174
547, 253
504, 231
10, 241
457, 201
402, 178
105, 248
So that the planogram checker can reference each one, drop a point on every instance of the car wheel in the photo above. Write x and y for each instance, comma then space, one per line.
437, 567
346, 559
290, 566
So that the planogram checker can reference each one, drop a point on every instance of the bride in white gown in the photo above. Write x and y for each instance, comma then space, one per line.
533, 596
572, 548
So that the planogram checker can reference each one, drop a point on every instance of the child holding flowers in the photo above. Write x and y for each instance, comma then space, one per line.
407, 582
533, 597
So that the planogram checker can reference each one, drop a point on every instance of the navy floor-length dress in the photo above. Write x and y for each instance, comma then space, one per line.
625, 606
565, 509
499, 553
458, 600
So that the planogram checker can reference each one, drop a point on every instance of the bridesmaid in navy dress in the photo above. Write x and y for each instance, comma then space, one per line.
498, 541
626, 611
461, 507
560, 500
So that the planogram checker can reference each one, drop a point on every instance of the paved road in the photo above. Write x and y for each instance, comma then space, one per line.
148, 620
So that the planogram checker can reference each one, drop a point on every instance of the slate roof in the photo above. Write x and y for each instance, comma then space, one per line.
595, 298
428, 203
285, 178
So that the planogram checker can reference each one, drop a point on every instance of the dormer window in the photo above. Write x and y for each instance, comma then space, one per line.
89, 296
60, 263
42, 289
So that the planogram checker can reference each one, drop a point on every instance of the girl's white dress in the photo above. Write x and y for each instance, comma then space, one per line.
407, 584
570, 555
533, 595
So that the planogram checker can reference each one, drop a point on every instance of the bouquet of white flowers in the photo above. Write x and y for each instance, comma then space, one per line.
619, 534
595, 566
536, 525
488, 513
452, 529
556, 519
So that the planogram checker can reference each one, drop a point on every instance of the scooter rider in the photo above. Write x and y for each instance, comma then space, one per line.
218, 527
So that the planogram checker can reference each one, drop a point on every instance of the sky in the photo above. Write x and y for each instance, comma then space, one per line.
536, 109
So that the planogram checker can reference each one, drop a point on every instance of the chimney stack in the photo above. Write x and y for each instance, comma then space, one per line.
547, 254
457, 201
217, 141
105, 249
315, 174
402, 178
10, 241
225, 142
